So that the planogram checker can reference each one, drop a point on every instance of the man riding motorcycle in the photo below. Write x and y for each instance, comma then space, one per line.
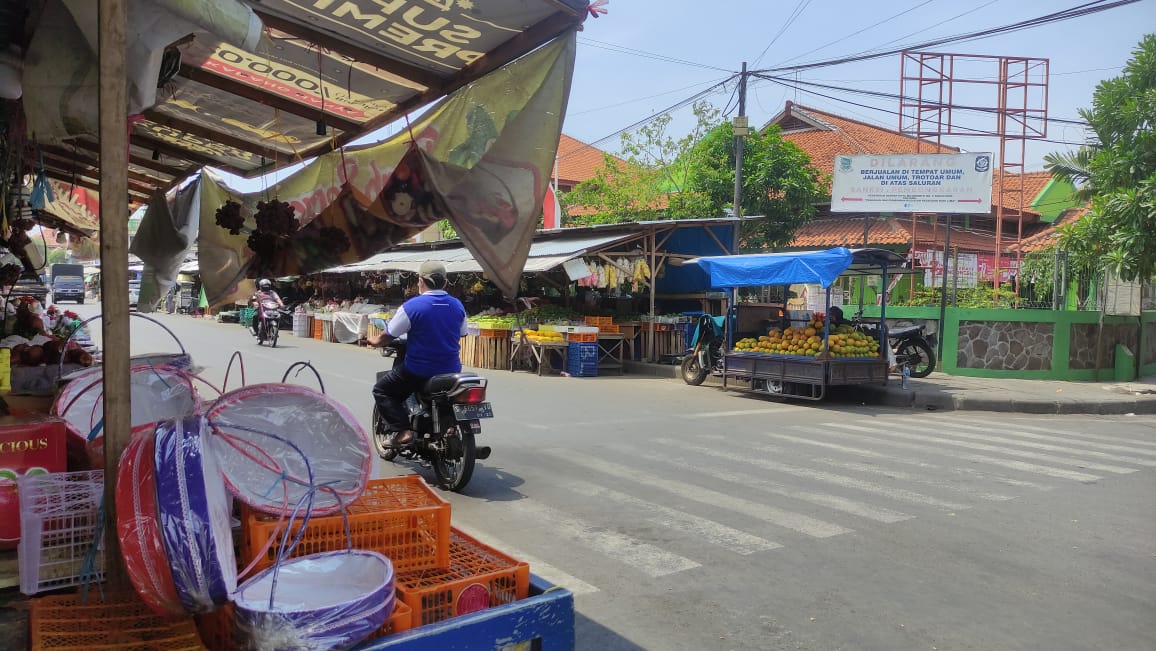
265, 292
434, 323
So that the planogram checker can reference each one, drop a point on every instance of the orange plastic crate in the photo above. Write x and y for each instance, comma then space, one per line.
317, 328
610, 329
218, 628
598, 320
400, 517
433, 594
66, 623
493, 334
582, 337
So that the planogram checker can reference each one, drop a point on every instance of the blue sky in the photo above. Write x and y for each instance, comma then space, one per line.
645, 56
618, 82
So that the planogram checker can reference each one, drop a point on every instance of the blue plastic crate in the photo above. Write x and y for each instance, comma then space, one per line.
583, 352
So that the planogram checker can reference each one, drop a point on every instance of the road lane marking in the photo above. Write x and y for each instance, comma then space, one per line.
739, 412
955, 454
537, 566
779, 517
871, 454
897, 494
1020, 431
834, 502
709, 530
983, 447
1031, 444
903, 476
1056, 429
643, 556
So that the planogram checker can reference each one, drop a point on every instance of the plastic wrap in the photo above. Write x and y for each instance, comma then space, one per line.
138, 524
158, 393
331, 600
276, 441
195, 514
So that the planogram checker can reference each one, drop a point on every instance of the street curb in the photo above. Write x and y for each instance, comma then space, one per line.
652, 370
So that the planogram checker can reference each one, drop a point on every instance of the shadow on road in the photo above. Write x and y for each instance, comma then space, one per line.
494, 484
589, 634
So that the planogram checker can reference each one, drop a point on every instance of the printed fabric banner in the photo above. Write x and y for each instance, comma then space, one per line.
481, 158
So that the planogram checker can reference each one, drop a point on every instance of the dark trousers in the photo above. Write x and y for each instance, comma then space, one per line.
390, 392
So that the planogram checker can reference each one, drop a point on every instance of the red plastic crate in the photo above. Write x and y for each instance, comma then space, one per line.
66, 623
400, 517
433, 594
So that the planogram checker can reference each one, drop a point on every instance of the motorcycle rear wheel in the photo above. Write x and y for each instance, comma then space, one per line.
917, 355
381, 438
453, 459
693, 373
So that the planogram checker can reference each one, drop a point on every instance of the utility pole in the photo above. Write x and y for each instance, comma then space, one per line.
741, 129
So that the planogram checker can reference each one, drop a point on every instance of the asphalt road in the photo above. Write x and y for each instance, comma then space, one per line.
689, 518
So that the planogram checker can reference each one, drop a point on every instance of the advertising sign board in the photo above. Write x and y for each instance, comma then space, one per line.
926, 183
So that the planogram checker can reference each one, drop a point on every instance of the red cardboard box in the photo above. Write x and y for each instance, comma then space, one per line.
28, 444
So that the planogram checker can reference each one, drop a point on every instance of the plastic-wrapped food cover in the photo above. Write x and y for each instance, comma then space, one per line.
331, 600
158, 393
270, 437
196, 515
138, 524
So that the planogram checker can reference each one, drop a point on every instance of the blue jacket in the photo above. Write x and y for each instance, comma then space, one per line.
434, 323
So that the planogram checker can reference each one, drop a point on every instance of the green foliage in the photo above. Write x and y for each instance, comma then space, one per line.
1119, 230
55, 256
980, 296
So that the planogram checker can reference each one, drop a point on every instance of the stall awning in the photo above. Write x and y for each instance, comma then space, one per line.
544, 256
799, 267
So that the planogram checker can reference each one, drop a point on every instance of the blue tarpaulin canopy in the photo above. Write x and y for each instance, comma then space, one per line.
800, 267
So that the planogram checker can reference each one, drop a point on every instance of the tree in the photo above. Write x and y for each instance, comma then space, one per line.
642, 183
1119, 173
778, 183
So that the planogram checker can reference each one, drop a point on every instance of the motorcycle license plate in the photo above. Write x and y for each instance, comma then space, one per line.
473, 412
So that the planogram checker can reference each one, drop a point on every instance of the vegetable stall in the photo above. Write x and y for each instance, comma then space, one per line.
805, 359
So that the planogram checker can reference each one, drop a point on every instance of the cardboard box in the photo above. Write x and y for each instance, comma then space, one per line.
35, 443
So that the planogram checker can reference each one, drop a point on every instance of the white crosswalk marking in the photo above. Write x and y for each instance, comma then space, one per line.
1015, 424
923, 465
898, 474
897, 494
980, 458
709, 530
645, 557
834, 502
740, 412
552, 574
983, 447
1020, 432
1028, 444
786, 519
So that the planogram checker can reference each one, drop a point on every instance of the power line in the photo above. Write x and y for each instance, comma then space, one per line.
647, 55
642, 99
1075, 12
844, 38
790, 19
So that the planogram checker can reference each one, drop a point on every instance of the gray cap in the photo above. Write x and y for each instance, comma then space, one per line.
431, 268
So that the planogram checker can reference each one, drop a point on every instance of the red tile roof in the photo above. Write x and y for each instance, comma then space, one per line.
577, 161
887, 231
1047, 237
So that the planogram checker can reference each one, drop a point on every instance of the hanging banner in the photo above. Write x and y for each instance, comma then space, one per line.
480, 158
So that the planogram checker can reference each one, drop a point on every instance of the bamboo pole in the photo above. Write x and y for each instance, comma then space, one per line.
114, 267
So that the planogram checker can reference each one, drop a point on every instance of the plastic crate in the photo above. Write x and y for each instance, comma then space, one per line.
400, 517
67, 623
59, 518
598, 320
218, 629
582, 337
610, 329
492, 333
433, 594
246, 316
317, 328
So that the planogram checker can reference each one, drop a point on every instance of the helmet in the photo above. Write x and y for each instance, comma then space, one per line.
265, 283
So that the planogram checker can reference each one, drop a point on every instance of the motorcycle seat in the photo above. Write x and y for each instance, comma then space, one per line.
904, 330
445, 382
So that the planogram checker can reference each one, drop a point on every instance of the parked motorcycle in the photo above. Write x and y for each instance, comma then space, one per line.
706, 356
911, 347
445, 416
268, 318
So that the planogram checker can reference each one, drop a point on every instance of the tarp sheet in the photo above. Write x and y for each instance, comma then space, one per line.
756, 270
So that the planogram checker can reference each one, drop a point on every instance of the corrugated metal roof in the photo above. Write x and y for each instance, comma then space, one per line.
543, 256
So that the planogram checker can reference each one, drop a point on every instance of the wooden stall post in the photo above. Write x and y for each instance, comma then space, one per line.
653, 288
114, 267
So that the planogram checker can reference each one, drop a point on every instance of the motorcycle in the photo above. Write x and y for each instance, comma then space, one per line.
910, 346
706, 356
445, 416
268, 317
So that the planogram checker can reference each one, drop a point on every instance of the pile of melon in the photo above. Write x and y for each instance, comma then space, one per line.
546, 336
844, 342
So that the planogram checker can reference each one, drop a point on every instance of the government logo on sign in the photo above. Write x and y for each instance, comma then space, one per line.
982, 163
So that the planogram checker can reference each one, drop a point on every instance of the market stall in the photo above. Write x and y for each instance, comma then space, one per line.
804, 359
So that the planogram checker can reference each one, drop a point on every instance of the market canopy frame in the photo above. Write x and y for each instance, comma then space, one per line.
321, 75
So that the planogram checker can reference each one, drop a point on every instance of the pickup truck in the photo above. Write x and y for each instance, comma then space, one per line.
68, 288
